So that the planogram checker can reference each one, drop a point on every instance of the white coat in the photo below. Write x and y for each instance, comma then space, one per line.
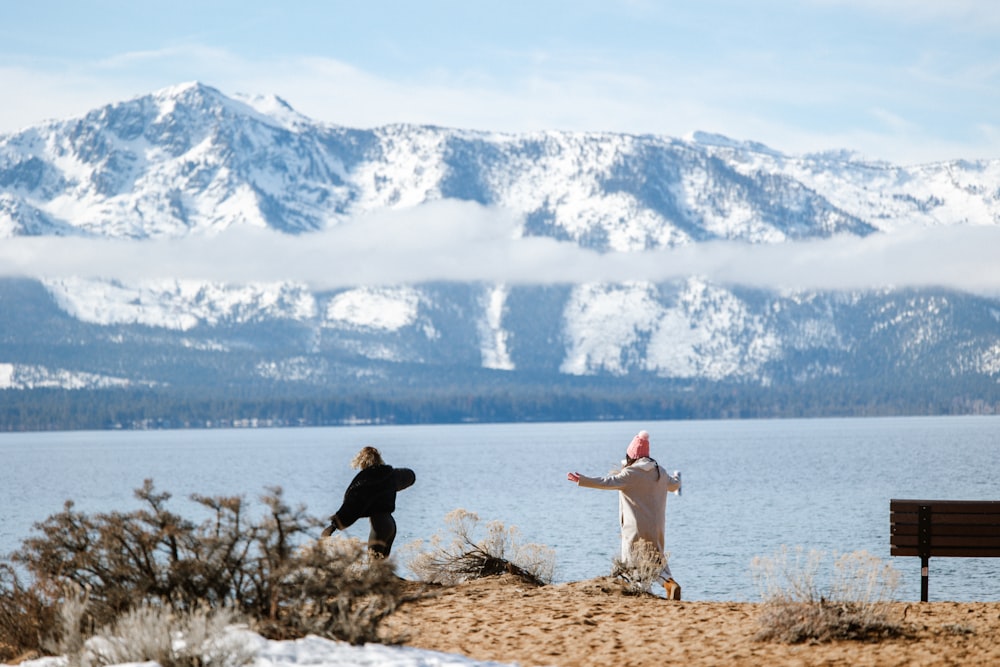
642, 500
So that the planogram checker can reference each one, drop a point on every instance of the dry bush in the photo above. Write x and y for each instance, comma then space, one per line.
73, 626
153, 558
855, 604
643, 570
366, 591
155, 633
125, 559
462, 557
26, 615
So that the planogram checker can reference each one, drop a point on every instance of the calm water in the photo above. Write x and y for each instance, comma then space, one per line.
749, 486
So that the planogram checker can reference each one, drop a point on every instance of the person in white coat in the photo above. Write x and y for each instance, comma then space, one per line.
642, 487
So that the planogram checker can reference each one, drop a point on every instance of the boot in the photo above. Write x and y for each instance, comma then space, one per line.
672, 588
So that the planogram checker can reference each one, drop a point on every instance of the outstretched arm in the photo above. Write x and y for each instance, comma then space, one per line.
335, 524
618, 480
404, 478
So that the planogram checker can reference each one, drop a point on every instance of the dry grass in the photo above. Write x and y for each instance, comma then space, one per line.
458, 556
153, 633
26, 616
643, 570
855, 603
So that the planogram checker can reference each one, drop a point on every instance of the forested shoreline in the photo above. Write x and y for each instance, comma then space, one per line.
59, 409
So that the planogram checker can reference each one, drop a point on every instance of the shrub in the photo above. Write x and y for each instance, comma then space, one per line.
643, 570
125, 559
153, 558
856, 604
367, 591
26, 614
155, 633
462, 557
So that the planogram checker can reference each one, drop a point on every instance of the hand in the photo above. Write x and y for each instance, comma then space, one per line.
573, 477
328, 531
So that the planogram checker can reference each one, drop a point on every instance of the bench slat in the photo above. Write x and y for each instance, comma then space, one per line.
947, 552
944, 541
948, 516
967, 525
946, 530
911, 519
947, 506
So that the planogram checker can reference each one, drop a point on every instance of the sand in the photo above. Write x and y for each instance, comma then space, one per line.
595, 622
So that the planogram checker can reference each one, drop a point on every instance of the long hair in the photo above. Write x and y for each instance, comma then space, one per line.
366, 458
629, 461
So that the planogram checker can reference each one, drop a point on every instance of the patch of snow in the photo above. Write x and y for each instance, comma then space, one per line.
605, 323
492, 335
814, 332
273, 109
722, 141
24, 376
409, 171
6, 376
377, 351
384, 308
295, 369
989, 360
708, 332
316, 651
179, 304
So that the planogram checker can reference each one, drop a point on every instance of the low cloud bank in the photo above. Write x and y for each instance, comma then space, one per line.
459, 241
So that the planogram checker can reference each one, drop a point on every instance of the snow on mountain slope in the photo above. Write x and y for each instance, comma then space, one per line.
189, 159
404, 170
180, 304
888, 197
386, 309
492, 335
560, 181
23, 376
707, 332
606, 324
364, 317
988, 361
184, 160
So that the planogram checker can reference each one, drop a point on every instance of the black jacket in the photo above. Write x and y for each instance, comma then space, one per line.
372, 491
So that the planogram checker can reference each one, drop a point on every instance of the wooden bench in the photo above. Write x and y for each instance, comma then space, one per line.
943, 528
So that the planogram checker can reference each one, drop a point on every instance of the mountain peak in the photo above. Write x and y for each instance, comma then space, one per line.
274, 110
192, 94
187, 88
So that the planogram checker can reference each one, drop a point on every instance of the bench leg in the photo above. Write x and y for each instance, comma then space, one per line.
925, 562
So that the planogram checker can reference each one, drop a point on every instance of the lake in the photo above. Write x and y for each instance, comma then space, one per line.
749, 486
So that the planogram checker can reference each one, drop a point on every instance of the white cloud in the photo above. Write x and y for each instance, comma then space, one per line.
959, 257
458, 241
977, 15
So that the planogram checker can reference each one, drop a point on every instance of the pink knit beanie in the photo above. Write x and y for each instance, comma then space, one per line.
639, 447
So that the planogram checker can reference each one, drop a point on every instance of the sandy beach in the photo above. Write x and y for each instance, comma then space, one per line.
594, 622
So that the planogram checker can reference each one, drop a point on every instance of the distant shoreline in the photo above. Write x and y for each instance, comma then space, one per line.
41, 411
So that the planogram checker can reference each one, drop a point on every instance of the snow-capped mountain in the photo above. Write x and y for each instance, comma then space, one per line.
189, 161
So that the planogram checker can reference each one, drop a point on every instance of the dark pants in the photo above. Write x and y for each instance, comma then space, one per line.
382, 534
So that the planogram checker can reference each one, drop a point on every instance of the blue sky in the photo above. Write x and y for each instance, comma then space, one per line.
901, 80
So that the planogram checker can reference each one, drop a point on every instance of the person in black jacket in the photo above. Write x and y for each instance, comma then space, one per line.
372, 494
